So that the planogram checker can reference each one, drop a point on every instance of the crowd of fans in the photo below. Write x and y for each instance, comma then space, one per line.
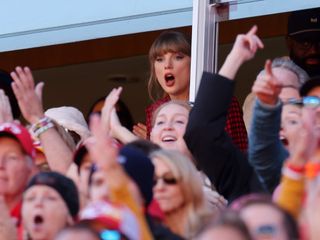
189, 172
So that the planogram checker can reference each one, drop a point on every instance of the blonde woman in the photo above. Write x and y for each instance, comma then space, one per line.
178, 190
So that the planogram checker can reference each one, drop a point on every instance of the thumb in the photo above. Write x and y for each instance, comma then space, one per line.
39, 89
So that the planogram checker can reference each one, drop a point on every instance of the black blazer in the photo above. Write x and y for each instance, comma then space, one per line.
225, 165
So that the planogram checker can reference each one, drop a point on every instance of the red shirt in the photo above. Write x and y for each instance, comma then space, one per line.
234, 126
15, 214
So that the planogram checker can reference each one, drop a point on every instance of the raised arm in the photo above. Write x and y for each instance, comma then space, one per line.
29, 97
266, 152
212, 148
5, 108
105, 155
244, 49
111, 121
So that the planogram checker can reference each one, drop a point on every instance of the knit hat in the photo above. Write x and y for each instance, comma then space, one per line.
305, 22
63, 185
71, 119
112, 217
20, 133
140, 168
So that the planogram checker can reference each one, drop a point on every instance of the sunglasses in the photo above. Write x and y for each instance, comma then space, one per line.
168, 180
306, 44
309, 101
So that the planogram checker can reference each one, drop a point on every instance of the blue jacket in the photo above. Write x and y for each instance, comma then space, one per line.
266, 152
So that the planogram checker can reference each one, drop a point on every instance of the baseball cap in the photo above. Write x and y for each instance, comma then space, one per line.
305, 22
70, 118
20, 133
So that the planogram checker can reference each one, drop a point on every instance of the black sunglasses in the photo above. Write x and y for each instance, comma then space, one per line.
306, 44
168, 180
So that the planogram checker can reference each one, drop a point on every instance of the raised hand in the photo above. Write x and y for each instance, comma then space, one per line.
5, 108
267, 87
110, 121
107, 117
244, 49
28, 95
101, 147
246, 45
140, 130
311, 143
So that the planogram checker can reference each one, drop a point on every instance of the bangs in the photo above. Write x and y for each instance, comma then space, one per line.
170, 42
180, 103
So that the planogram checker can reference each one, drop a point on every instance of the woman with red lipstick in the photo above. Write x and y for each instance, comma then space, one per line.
169, 58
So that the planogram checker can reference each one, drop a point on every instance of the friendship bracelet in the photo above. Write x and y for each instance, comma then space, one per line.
41, 126
295, 168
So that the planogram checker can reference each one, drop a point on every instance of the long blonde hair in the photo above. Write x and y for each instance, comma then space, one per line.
168, 41
195, 210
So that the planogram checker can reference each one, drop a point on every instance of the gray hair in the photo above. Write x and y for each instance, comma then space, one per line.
287, 63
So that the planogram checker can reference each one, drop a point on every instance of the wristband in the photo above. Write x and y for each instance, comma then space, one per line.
41, 126
295, 168
292, 174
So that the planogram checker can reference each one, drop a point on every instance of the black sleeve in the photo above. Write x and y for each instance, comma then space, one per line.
225, 165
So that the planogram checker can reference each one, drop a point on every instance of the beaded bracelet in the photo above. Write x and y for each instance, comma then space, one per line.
41, 126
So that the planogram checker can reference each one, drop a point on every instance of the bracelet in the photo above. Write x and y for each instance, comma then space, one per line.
295, 168
41, 126
312, 170
292, 174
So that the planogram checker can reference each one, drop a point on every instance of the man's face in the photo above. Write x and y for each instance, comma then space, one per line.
15, 169
305, 52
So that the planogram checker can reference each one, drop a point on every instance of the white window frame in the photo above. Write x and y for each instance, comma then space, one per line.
205, 25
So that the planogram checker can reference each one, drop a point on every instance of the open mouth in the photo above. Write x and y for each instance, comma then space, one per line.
169, 79
169, 139
38, 220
